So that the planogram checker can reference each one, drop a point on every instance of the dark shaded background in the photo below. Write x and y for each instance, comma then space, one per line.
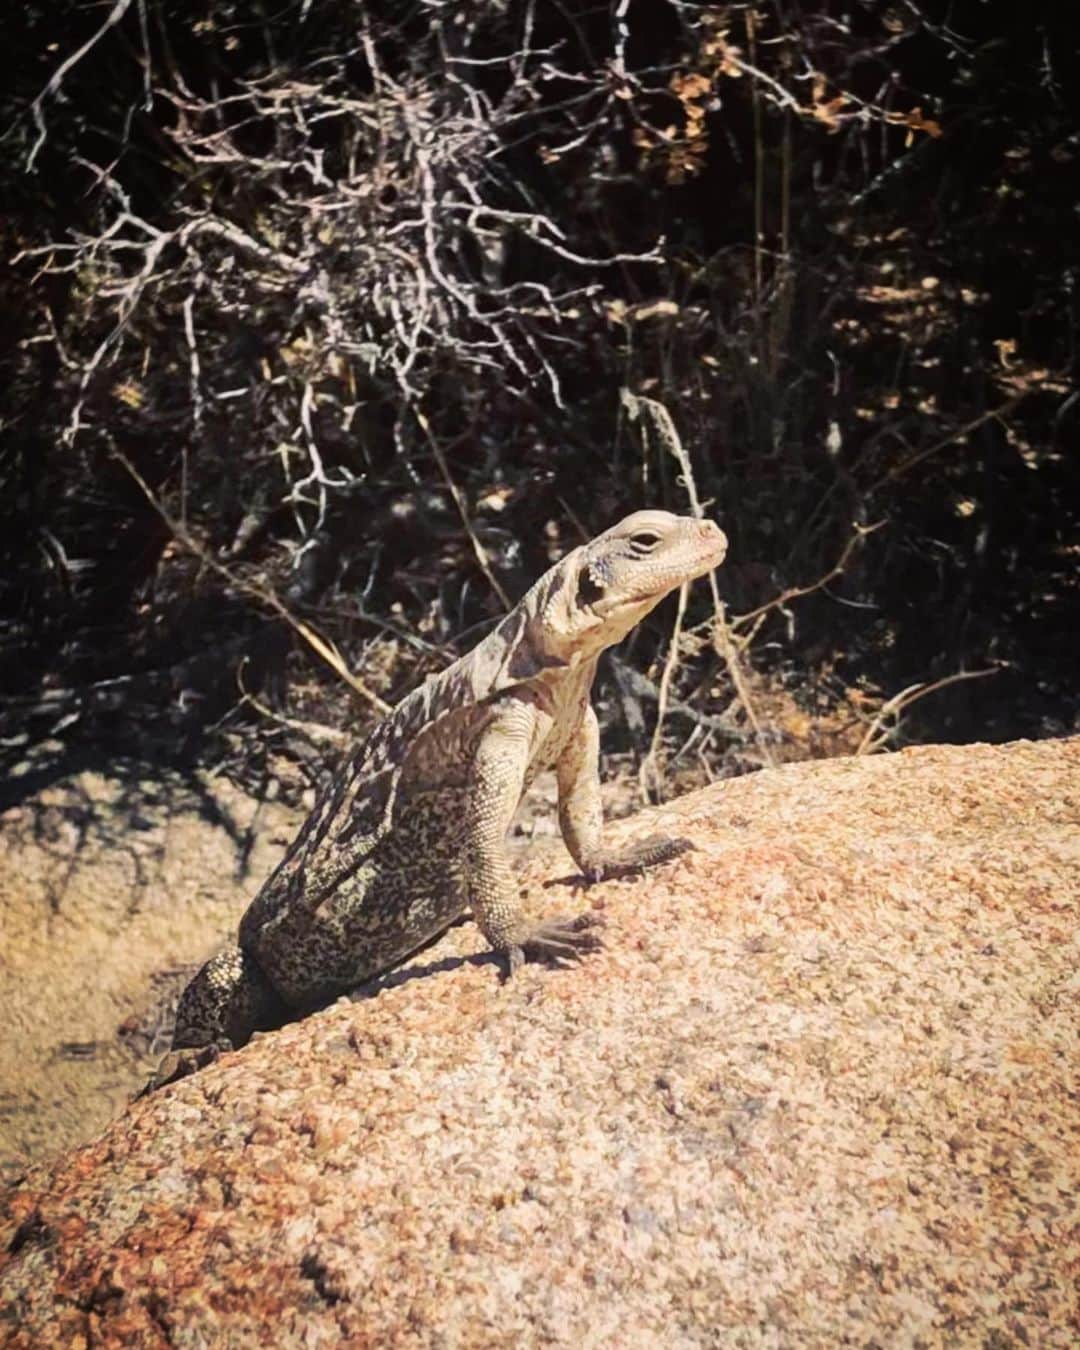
897, 350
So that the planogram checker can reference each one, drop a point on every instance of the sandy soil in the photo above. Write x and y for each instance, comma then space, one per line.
111, 888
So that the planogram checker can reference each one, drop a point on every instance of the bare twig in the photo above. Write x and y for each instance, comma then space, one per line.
876, 737
960, 434
660, 418
649, 775
323, 647
754, 616
750, 18
479, 552
119, 9
314, 731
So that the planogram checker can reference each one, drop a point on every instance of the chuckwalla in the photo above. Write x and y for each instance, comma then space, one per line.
410, 832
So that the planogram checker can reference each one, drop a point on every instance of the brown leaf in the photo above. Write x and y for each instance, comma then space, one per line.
827, 112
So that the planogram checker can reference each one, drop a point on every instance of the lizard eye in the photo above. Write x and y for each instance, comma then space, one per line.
644, 541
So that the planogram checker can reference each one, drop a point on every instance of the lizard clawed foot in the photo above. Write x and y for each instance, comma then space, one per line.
179, 1064
625, 862
557, 942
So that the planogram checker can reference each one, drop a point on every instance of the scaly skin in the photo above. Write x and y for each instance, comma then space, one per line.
410, 834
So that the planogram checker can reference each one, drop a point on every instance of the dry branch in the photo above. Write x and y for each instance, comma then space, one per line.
323, 647
658, 415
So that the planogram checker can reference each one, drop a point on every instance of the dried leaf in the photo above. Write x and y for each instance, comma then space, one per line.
687, 87
827, 112
914, 121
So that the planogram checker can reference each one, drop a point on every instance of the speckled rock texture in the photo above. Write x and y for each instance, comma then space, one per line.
820, 1089
105, 883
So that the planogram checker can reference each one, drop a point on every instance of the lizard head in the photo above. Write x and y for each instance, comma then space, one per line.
607, 586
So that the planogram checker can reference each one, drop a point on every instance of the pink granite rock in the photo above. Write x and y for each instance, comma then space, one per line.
819, 1089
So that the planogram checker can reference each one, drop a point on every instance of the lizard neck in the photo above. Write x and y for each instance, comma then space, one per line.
566, 692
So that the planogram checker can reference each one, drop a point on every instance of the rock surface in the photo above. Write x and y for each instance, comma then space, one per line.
819, 1089
106, 884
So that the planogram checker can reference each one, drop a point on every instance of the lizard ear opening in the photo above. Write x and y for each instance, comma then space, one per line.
590, 585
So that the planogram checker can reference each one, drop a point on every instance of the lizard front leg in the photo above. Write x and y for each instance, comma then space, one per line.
498, 775
581, 816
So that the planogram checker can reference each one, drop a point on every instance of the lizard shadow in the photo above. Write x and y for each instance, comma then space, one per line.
575, 881
393, 979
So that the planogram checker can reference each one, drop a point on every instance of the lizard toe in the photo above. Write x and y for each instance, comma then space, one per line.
649, 853
179, 1064
562, 941
558, 942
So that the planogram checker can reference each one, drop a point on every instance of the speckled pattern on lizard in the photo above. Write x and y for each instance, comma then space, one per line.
409, 834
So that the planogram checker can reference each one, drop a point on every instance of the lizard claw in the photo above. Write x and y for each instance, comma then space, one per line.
179, 1064
557, 942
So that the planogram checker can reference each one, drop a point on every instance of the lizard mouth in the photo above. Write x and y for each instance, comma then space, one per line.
714, 546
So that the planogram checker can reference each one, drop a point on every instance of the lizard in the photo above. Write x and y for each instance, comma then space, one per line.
409, 834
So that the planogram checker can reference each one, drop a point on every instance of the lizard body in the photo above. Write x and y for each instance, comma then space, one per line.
410, 832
